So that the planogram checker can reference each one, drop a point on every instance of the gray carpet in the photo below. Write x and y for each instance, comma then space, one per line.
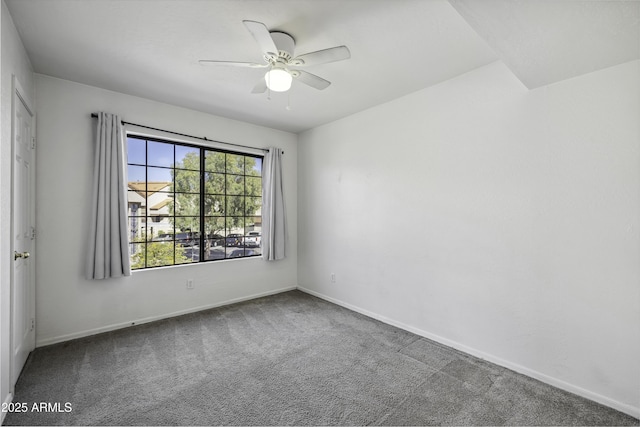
288, 359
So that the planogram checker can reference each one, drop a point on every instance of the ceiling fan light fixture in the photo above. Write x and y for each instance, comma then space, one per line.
278, 80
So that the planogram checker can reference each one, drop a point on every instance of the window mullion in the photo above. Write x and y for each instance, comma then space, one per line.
146, 201
202, 223
175, 204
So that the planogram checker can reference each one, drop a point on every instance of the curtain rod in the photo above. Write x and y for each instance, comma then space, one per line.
204, 138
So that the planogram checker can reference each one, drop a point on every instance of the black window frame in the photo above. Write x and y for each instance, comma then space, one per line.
200, 234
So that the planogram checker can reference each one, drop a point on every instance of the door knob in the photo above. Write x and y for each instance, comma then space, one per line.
17, 255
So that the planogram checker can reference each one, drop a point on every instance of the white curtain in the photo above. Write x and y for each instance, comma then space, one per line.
108, 252
274, 225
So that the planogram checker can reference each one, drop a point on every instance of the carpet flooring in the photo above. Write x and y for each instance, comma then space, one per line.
287, 359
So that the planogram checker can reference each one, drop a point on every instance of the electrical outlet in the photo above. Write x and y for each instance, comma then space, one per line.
190, 284
333, 277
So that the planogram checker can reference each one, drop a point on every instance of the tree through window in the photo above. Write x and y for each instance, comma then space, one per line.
191, 204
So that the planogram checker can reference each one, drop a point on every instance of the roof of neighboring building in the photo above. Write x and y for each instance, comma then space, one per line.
150, 187
161, 205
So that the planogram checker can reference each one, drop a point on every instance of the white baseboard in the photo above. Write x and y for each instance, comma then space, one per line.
619, 406
6, 402
113, 327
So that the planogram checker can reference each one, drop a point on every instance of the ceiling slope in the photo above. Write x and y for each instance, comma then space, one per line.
546, 41
151, 48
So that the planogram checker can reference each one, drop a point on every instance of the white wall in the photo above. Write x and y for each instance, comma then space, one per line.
502, 221
13, 61
70, 306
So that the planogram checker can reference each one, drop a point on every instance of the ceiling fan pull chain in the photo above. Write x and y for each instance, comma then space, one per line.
268, 76
288, 107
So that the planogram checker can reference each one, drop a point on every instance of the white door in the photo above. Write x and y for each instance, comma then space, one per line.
23, 234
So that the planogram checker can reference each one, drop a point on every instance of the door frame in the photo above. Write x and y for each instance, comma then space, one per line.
20, 95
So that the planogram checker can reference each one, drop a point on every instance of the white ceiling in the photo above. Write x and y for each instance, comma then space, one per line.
151, 48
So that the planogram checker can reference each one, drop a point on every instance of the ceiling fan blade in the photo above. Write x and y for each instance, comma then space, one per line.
232, 63
310, 79
260, 33
332, 54
260, 87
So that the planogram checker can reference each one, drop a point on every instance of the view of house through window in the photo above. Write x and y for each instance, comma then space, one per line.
191, 204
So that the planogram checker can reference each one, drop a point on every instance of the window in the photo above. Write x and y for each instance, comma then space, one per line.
190, 204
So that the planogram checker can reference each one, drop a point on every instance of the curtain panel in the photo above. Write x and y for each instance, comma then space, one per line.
274, 225
108, 251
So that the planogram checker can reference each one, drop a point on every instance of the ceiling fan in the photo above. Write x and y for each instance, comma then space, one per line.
278, 49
